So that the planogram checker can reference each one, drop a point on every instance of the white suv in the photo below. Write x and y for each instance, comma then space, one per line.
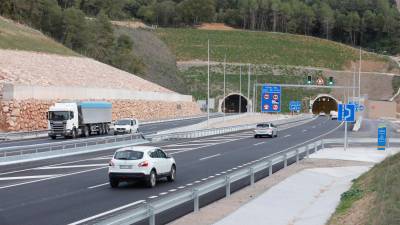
141, 163
266, 129
126, 126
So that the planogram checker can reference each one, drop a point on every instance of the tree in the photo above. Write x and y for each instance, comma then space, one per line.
103, 38
75, 30
196, 11
326, 18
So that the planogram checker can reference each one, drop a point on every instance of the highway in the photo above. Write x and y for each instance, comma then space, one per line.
75, 189
144, 128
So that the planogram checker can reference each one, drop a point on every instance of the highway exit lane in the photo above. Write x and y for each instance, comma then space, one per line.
71, 198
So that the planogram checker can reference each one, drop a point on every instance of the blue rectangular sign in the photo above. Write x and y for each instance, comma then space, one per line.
271, 99
346, 112
294, 106
381, 138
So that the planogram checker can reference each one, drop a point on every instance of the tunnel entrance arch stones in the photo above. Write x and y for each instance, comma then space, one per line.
232, 102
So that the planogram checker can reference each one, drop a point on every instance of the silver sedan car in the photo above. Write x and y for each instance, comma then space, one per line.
266, 129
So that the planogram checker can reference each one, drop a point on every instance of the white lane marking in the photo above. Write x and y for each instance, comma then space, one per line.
223, 172
172, 190
181, 187
28, 177
211, 177
68, 167
209, 157
154, 196
217, 174
288, 135
204, 179
49, 178
304, 130
259, 143
183, 145
177, 149
99, 185
197, 181
107, 212
189, 184
163, 193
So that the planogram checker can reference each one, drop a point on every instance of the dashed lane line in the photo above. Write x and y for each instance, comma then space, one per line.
99, 185
209, 157
259, 143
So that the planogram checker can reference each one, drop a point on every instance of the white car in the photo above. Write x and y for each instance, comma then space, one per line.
334, 115
126, 126
144, 163
266, 129
322, 113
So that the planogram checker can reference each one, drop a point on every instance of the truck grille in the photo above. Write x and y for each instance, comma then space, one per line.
58, 127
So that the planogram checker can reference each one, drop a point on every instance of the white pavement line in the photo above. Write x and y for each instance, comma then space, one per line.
217, 174
163, 193
304, 130
288, 135
28, 177
178, 149
197, 181
154, 196
107, 212
68, 167
209, 157
183, 145
172, 190
204, 179
189, 184
99, 185
181, 187
49, 178
259, 143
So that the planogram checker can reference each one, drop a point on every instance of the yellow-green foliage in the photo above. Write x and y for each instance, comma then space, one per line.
260, 48
19, 37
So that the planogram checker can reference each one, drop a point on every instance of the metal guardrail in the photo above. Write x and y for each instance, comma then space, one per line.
23, 135
73, 144
148, 211
217, 131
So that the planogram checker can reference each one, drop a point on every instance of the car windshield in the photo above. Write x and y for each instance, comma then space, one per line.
128, 155
262, 125
123, 122
58, 115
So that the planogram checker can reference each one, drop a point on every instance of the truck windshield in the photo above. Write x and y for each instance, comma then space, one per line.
123, 122
58, 115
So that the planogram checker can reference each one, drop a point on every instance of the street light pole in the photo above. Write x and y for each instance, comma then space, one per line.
359, 79
240, 89
248, 89
208, 82
224, 86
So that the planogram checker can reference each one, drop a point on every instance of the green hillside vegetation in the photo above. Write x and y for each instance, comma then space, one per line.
196, 79
374, 198
260, 48
16, 36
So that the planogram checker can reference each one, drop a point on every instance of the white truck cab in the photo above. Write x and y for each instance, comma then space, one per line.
126, 125
73, 119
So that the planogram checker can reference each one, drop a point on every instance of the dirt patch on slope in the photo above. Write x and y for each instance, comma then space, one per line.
214, 26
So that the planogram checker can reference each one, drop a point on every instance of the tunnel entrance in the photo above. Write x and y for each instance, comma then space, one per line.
324, 103
231, 104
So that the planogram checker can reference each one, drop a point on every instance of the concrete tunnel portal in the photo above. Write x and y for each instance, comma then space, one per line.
230, 103
324, 103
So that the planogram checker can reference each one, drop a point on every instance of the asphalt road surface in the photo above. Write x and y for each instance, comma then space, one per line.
72, 189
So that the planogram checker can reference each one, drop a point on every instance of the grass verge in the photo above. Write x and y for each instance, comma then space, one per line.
374, 198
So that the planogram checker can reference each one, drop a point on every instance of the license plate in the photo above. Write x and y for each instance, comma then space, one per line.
125, 167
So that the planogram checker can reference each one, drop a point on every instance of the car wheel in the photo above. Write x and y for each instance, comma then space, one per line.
151, 181
276, 134
73, 135
255, 136
172, 175
114, 183
53, 137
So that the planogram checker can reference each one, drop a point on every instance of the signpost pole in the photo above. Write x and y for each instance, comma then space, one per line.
248, 89
345, 135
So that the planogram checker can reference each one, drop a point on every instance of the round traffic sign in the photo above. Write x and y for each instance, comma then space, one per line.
266, 96
266, 107
275, 97
275, 107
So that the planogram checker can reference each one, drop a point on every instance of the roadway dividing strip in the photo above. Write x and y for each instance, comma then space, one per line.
209, 157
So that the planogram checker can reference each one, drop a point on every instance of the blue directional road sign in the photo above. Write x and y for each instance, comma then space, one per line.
294, 106
271, 98
381, 137
346, 112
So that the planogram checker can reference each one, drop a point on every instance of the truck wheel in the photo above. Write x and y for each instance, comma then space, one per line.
53, 137
114, 183
86, 131
73, 135
106, 129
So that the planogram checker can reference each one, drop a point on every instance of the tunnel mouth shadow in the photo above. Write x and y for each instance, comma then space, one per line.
324, 104
234, 103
